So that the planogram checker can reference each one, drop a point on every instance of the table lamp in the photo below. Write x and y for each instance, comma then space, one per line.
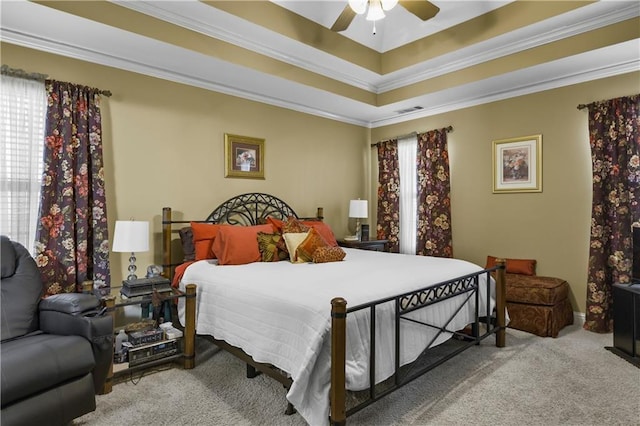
358, 209
131, 236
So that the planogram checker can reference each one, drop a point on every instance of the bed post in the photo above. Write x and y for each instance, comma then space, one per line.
166, 242
190, 327
501, 303
337, 415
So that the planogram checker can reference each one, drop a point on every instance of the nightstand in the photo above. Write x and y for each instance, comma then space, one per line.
375, 245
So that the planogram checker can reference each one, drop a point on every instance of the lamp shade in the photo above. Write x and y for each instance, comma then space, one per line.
358, 208
131, 236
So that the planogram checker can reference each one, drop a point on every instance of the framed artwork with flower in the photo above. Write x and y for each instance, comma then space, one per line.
244, 156
517, 164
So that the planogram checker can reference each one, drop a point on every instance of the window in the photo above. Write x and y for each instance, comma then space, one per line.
407, 154
22, 123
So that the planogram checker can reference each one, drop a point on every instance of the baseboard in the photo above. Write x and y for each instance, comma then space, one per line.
578, 318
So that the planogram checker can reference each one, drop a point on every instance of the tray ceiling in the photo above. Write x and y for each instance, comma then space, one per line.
284, 53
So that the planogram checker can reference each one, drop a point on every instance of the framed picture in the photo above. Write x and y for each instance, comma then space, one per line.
244, 156
517, 164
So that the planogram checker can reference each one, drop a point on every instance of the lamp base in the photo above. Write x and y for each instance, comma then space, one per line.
132, 268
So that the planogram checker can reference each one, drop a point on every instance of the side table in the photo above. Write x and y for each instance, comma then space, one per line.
374, 245
116, 305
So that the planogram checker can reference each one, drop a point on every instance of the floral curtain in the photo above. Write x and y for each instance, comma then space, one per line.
615, 152
388, 226
72, 237
434, 195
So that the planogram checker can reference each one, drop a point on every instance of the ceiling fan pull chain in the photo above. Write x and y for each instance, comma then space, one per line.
374, 27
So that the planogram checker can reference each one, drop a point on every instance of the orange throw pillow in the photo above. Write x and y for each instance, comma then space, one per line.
203, 236
324, 230
293, 226
309, 245
515, 266
238, 245
277, 224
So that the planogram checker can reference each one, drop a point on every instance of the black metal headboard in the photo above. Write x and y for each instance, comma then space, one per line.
250, 209
245, 209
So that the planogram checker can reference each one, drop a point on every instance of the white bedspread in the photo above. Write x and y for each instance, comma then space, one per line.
279, 313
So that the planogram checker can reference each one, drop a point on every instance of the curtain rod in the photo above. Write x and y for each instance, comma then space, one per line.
583, 106
447, 129
19, 73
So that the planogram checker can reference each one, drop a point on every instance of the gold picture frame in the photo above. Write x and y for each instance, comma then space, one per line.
244, 156
517, 165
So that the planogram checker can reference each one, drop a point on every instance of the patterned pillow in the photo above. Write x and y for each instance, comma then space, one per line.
324, 230
293, 225
310, 244
271, 247
328, 254
293, 240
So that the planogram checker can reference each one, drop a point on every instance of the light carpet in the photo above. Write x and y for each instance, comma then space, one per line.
569, 380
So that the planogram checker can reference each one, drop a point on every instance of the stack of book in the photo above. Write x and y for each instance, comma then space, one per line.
144, 286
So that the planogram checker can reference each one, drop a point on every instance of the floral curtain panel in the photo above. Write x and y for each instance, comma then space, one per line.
72, 237
434, 195
388, 226
615, 152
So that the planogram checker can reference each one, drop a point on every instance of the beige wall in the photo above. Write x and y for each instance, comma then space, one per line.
164, 146
551, 227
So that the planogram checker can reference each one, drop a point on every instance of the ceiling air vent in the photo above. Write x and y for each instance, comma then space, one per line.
406, 110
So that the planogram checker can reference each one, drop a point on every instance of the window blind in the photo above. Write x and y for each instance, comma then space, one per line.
407, 154
23, 106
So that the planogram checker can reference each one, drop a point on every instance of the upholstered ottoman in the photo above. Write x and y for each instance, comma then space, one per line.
539, 305
536, 304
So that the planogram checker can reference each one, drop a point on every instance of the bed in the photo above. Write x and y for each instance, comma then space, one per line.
292, 320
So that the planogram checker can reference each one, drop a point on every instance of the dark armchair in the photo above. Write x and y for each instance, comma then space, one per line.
54, 353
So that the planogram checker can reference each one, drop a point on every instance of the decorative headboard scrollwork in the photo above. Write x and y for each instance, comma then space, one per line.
246, 210
250, 209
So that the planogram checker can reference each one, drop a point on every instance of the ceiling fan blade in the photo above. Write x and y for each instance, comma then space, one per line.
423, 9
344, 20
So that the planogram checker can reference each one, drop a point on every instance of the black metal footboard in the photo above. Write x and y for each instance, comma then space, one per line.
467, 288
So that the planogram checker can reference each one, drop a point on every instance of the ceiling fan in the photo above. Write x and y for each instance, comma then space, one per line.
423, 9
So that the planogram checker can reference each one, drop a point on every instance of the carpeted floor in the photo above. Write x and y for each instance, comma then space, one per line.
570, 380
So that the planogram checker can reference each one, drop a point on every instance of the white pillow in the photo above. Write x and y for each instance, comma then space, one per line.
293, 240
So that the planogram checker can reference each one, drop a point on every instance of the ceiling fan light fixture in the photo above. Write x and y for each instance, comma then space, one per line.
387, 5
359, 6
375, 12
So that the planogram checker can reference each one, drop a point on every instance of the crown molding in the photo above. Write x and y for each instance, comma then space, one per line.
165, 61
257, 43
455, 102
89, 55
597, 15
529, 86
552, 30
